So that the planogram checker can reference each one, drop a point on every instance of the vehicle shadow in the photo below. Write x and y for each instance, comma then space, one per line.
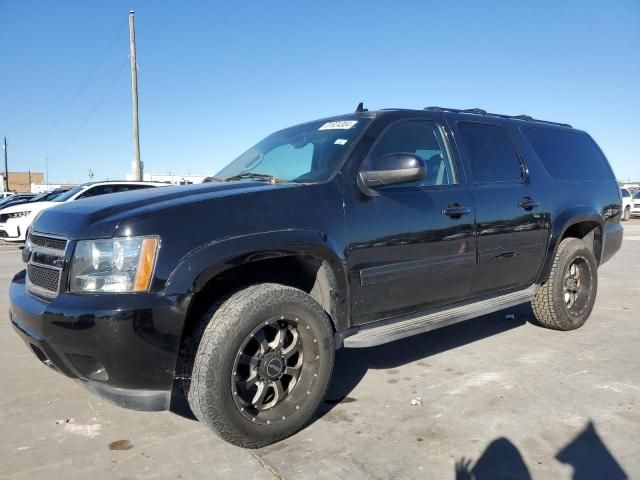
351, 365
586, 454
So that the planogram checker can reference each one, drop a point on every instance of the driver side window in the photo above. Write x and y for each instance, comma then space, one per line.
424, 139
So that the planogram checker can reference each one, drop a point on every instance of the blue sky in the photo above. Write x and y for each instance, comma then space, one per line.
216, 77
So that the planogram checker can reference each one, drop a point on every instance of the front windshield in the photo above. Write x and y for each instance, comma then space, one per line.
47, 197
37, 198
303, 154
636, 195
68, 194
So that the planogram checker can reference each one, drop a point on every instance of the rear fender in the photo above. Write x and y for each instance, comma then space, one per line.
566, 219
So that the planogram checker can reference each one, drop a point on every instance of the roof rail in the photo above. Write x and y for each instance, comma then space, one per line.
479, 111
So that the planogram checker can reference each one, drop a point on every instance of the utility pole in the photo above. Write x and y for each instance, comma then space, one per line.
6, 168
136, 166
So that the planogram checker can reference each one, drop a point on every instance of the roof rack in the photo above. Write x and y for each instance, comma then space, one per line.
479, 111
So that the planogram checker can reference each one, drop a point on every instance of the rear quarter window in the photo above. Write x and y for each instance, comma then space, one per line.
568, 154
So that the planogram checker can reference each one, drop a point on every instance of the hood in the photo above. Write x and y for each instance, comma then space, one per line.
99, 217
29, 207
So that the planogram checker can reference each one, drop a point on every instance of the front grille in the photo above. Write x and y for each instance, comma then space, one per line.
48, 242
4, 217
45, 262
44, 278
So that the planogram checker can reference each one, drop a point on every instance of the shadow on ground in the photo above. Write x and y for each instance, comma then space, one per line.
352, 364
586, 454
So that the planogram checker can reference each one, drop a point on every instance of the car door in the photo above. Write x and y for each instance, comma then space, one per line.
512, 222
412, 246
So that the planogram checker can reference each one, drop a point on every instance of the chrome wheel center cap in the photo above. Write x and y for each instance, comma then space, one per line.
272, 366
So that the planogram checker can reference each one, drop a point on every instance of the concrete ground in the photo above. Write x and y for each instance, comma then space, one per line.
500, 399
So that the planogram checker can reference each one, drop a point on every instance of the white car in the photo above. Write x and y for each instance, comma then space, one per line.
15, 221
626, 203
635, 204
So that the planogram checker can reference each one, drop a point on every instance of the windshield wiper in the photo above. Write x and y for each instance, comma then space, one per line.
253, 176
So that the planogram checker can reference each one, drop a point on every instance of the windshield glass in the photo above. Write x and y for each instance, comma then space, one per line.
47, 197
39, 197
306, 153
636, 195
68, 194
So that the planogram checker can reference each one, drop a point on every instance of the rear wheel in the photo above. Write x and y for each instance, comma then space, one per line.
627, 214
565, 301
263, 365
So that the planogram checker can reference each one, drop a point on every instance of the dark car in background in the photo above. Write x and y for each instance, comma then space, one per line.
350, 231
16, 199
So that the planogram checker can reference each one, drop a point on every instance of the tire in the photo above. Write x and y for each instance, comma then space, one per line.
552, 304
627, 214
246, 354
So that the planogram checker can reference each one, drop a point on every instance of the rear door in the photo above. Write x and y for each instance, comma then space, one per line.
511, 220
413, 245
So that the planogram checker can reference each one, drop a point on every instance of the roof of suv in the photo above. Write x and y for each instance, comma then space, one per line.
472, 112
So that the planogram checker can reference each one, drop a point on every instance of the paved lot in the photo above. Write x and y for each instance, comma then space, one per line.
501, 398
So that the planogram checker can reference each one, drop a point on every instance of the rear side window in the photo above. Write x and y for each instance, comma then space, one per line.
491, 153
568, 154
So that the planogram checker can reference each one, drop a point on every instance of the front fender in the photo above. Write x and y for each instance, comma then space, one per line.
202, 264
567, 218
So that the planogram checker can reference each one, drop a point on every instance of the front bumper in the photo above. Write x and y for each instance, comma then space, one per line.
123, 347
11, 231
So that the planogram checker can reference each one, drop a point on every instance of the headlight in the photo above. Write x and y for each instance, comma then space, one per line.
19, 214
114, 265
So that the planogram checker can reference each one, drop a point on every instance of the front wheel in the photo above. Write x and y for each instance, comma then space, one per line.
565, 301
262, 366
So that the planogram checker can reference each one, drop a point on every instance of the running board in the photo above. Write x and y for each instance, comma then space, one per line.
403, 326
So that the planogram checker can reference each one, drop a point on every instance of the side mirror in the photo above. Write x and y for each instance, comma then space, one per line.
391, 169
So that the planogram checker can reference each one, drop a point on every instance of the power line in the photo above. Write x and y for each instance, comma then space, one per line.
79, 92
93, 110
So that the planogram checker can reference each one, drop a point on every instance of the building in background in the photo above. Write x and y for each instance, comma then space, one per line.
21, 181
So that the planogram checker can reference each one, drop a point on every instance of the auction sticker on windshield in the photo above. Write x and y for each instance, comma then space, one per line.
340, 125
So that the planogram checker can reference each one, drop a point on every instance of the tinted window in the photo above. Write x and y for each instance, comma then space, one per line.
101, 190
68, 194
492, 155
625, 193
421, 138
127, 188
568, 154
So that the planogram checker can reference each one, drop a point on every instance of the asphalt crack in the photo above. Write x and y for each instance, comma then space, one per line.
263, 463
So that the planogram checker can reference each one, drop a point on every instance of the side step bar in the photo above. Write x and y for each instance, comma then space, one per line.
403, 326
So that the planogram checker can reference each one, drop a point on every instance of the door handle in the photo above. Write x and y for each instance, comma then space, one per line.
528, 203
455, 211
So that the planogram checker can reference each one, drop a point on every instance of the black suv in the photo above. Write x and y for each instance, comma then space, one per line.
350, 231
